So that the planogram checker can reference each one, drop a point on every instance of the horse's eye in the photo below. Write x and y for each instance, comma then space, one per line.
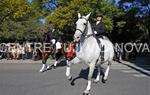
84, 23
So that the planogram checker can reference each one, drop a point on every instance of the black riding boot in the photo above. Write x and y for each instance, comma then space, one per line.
102, 53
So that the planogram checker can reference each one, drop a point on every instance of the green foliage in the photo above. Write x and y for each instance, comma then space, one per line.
65, 15
14, 9
134, 24
22, 30
120, 24
18, 21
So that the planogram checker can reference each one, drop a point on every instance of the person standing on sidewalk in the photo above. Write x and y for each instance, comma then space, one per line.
70, 53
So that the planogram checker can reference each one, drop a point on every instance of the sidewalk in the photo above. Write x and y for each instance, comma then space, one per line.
26, 61
141, 64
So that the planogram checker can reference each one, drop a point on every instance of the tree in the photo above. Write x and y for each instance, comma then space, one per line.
14, 9
19, 21
65, 15
136, 18
44, 7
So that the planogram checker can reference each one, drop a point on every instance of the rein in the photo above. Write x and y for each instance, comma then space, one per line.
86, 28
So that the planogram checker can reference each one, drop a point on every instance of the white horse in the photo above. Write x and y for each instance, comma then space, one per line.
90, 51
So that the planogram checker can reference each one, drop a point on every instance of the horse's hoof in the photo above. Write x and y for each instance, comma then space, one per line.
70, 78
41, 71
72, 83
49, 68
85, 93
104, 80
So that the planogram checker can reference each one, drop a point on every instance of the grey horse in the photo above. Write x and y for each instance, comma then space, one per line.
90, 51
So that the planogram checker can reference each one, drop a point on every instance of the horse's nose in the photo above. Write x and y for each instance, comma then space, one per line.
76, 38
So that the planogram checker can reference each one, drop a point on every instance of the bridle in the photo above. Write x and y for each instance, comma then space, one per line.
84, 31
86, 28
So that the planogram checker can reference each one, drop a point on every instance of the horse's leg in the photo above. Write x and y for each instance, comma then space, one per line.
104, 79
44, 66
88, 88
58, 55
56, 61
98, 74
69, 63
47, 66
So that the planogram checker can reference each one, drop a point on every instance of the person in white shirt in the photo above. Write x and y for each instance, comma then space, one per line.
22, 52
58, 51
53, 41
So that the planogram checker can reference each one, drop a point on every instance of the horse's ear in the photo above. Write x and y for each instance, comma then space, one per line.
87, 17
79, 15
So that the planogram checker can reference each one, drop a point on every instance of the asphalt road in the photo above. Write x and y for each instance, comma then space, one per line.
24, 79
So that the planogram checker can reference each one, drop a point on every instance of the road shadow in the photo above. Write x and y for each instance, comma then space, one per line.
141, 62
84, 74
62, 63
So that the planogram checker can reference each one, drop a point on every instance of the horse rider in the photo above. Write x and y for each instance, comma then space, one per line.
99, 30
99, 26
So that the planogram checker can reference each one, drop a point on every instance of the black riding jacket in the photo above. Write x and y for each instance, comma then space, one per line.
99, 28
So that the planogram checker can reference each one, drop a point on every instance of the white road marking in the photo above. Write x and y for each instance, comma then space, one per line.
129, 71
139, 75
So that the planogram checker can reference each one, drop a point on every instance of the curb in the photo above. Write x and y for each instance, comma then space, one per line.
4, 61
126, 63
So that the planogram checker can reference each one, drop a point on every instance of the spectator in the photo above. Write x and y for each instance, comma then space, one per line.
22, 52
35, 53
70, 51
